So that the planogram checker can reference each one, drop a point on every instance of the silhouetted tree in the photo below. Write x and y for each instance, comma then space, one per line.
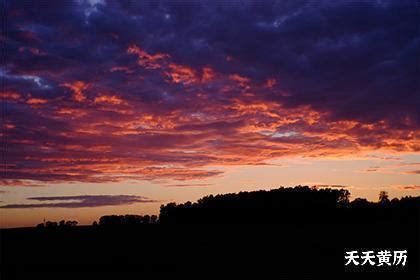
41, 225
61, 224
146, 219
383, 197
125, 220
360, 203
153, 219
71, 223
257, 206
50, 225
110, 220
410, 202
298, 204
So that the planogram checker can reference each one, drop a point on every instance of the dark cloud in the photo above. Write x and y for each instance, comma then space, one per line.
150, 90
81, 201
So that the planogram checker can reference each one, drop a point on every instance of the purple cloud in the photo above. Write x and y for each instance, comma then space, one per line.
82, 201
149, 90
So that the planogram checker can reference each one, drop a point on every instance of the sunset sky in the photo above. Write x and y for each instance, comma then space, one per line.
117, 107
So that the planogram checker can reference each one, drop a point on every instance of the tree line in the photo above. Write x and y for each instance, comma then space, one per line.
297, 203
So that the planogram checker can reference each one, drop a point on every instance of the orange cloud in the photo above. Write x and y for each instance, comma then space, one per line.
241, 80
208, 75
178, 137
77, 88
21, 183
181, 74
270, 83
108, 99
36, 101
9, 95
71, 111
145, 59
413, 172
150, 144
8, 126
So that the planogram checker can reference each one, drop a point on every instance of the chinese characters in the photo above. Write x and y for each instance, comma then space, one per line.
376, 258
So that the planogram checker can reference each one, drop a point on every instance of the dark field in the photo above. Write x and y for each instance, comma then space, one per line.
293, 250
298, 233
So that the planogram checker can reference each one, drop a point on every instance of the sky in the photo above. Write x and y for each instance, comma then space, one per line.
117, 107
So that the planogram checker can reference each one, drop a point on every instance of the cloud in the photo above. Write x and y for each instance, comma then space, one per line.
36, 101
322, 186
376, 169
81, 201
409, 187
398, 168
21, 183
188, 185
415, 172
90, 96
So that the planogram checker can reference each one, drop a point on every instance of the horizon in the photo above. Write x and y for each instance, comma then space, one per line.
114, 107
318, 188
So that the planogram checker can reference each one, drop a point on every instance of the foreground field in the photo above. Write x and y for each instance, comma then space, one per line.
290, 250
